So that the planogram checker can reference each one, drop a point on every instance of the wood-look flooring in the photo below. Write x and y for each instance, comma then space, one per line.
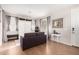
51, 48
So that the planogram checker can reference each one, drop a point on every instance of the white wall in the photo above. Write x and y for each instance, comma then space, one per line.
75, 24
66, 30
0, 28
4, 29
2, 32
2, 22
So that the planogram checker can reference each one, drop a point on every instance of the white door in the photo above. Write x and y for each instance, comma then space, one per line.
75, 25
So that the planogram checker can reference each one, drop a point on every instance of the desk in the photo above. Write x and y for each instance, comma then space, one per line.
55, 37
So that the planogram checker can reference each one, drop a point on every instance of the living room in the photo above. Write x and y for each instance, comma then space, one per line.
37, 28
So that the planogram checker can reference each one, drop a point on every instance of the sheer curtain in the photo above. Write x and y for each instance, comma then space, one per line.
8, 22
33, 25
17, 23
12, 24
44, 25
24, 27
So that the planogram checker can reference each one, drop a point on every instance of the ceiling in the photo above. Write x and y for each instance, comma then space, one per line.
34, 10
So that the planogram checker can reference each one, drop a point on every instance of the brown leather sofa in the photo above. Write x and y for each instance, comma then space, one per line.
32, 39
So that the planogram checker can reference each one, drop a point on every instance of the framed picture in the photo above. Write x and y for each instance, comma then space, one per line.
57, 23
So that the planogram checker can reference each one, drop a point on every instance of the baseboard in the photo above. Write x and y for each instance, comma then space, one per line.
66, 43
69, 44
75, 46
